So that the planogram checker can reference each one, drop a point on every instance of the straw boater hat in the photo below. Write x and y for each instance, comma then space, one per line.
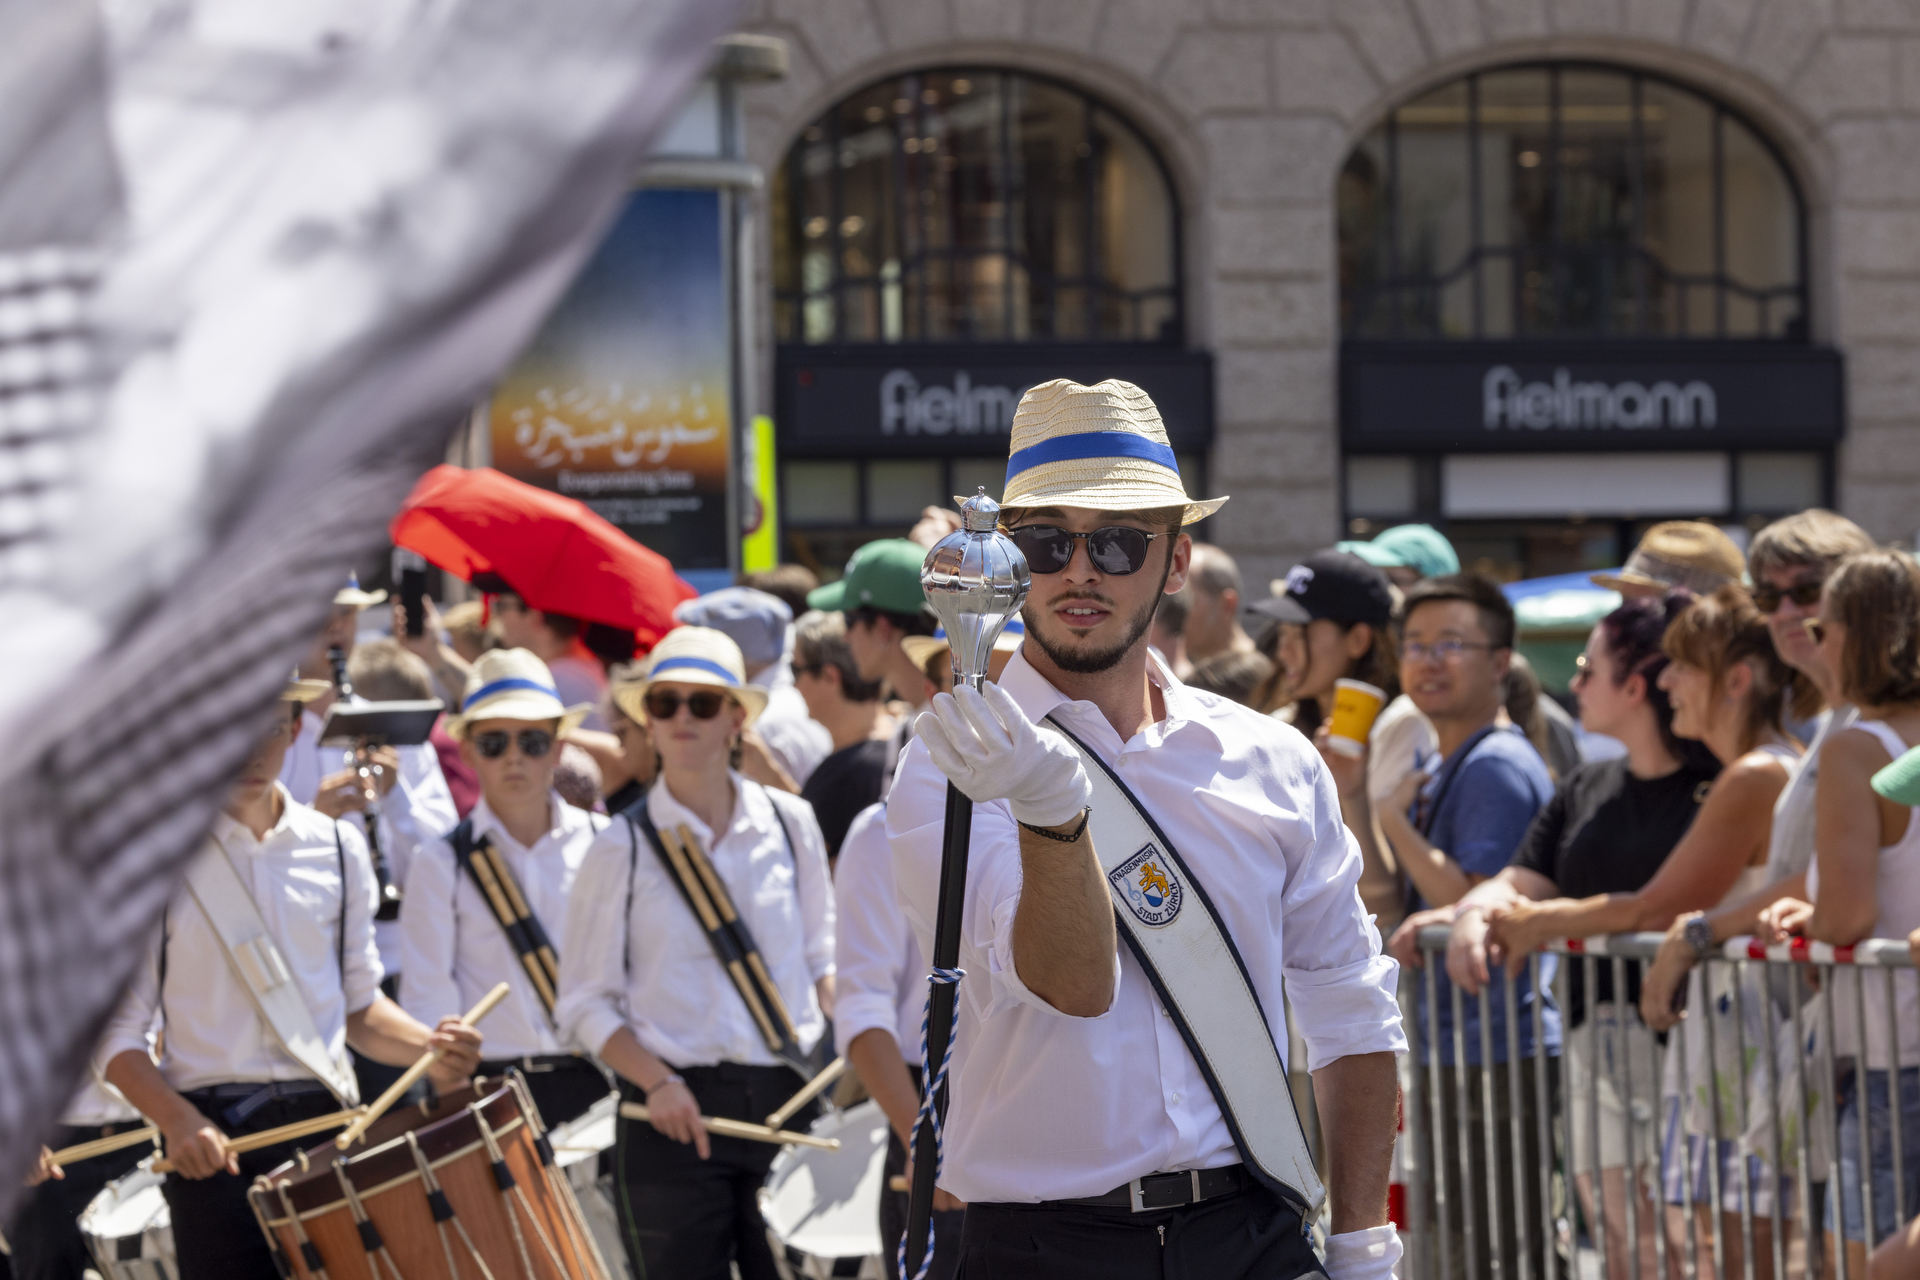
304, 691
1680, 553
920, 648
692, 655
1101, 447
512, 684
352, 597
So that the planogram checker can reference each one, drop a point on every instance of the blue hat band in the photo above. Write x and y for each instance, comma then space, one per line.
1091, 444
503, 686
698, 664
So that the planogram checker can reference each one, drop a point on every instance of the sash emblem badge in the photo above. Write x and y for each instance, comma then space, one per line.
1149, 886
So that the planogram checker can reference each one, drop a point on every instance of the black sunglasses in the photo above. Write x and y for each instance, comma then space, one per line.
1805, 594
1115, 549
492, 744
664, 704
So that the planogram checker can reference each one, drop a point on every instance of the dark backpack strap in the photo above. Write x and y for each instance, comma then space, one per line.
786, 832
340, 929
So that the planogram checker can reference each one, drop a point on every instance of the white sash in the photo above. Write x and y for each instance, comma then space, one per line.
228, 905
1189, 957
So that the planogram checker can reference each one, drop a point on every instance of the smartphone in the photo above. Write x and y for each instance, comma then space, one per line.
410, 572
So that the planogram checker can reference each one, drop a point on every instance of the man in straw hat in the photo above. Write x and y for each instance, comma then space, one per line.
1083, 1135
237, 1058
521, 845
696, 1025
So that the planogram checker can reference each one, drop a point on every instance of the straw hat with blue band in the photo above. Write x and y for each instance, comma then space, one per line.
1102, 447
512, 684
692, 655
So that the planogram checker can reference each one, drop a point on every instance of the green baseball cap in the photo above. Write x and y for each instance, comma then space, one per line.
1419, 546
884, 574
1378, 557
1900, 781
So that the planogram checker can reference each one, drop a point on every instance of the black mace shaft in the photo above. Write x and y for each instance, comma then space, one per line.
940, 1005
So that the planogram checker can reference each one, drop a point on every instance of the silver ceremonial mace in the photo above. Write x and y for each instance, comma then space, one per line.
975, 579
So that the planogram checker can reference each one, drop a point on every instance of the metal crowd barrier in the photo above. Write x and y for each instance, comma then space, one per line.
1496, 1198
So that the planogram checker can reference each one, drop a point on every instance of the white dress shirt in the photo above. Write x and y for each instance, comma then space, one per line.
418, 809
455, 950
636, 956
212, 1033
1048, 1106
880, 978
97, 1103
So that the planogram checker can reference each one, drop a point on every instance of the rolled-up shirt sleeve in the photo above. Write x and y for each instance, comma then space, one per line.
133, 1019
916, 827
361, 973
429, 934
1343, 990
592, 1004
871, 937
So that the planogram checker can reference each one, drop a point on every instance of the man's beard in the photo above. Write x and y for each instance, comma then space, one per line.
1084, 662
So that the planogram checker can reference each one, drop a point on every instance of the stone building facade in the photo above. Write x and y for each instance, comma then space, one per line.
1256, 105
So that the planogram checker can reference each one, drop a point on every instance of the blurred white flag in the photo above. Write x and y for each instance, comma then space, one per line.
256, 260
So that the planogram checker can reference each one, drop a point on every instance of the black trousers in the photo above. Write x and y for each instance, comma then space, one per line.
45, 1235
215, 1235
563, 1087
893, 1222
1251, 1235
684, 1218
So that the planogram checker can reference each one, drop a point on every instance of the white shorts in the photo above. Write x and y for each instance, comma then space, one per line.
1624, 1101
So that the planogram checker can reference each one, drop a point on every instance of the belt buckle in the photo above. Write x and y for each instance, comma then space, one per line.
1134, 1203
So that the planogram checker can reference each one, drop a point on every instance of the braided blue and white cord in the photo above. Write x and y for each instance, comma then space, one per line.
934, 1080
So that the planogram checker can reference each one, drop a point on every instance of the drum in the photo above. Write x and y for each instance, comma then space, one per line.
128, 1230
577, 1147
826, 1204
464, 1188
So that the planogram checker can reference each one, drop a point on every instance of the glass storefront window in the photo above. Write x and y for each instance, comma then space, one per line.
973, 205
822, 493
1569, 200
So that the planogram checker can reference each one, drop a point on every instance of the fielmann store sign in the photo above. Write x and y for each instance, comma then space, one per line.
919, 400
1593, 396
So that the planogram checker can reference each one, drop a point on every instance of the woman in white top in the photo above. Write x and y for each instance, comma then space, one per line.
1726, 684
1865, 877
1335, 618
641, 983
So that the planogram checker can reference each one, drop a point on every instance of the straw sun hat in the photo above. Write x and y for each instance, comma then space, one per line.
920, 648
1101, 447
692, 655
512, 684
1680, 553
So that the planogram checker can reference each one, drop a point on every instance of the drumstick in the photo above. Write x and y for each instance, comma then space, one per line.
742, 1129
358, 1128
272, 1137
101, 1146
535, 973
809, 1091
702, 906
698, 857
536, 936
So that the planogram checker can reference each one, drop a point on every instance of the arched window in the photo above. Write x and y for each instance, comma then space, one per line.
1567, 200
971, 204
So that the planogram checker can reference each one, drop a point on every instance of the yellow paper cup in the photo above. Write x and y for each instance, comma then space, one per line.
1355, 706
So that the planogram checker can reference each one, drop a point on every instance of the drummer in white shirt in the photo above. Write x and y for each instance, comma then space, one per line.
456, 947
223, 1070
45, 1236
1082, 1135
641, 985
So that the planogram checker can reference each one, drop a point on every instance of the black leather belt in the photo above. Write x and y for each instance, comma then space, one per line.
1169, 1190
534, 1064
251, 1094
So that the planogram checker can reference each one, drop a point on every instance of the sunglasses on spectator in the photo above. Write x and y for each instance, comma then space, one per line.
1115, 549
664, 704
492, 744
1805, 594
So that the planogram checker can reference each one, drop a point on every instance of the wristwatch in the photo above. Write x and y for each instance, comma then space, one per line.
1699, 934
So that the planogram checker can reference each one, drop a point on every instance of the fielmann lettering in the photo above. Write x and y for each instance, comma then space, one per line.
937, 410
1567, 405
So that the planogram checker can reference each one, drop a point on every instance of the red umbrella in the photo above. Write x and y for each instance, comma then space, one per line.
502, 534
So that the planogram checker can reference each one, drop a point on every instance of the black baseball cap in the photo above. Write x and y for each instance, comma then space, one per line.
1336, 585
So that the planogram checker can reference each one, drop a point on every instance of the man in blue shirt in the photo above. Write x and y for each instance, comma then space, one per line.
1452, 826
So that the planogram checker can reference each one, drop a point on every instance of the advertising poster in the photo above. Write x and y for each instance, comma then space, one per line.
621, 400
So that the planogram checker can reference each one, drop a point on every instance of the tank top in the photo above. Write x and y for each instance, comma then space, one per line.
1897, 890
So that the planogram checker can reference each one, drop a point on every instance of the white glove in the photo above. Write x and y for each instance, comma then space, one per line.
990, 750
1363, 1255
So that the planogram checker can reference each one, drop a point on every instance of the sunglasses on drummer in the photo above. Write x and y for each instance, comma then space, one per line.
1116, 549
492, 744
664, 704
